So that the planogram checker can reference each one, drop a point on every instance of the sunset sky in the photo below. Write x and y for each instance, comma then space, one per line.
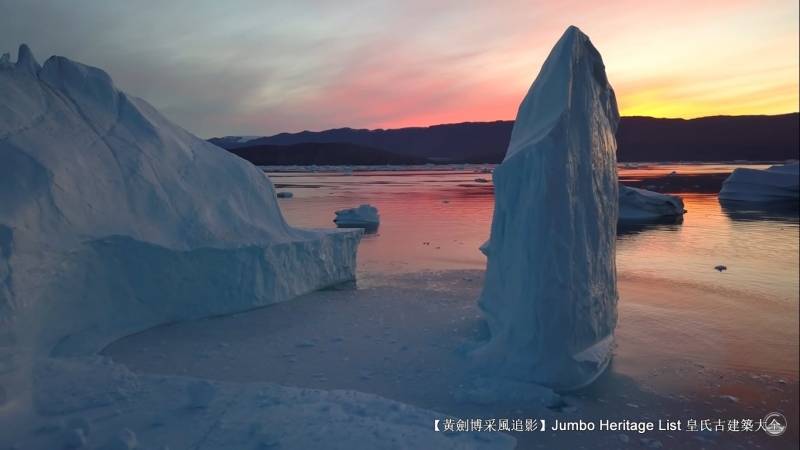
254, 67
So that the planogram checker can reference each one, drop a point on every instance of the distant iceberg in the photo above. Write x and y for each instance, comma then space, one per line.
550, 296
365, 216
640, 205
776, 184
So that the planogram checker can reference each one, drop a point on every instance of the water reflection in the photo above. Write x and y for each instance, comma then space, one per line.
367, 229
761, 255
671, 223
787, 212
436, 220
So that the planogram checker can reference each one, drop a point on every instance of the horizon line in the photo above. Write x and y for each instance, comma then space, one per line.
492, 121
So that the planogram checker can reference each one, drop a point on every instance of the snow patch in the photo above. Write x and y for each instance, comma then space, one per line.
240, 417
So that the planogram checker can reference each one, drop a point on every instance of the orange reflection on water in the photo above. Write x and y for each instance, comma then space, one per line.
437, 219
429, 220
673, 303
760, 250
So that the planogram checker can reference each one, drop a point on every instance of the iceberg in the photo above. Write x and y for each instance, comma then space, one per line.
640, 205
780, 183
113, 219
365, 216
550, 295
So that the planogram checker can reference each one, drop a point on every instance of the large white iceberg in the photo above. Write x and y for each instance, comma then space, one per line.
550, 296
779, 183
640, 205
113, 219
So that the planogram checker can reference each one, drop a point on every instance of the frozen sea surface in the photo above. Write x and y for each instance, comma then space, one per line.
689, 338
406, 338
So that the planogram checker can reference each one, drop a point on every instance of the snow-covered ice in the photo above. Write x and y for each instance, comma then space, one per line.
637, 205
113, 220
365, 216
780, 183
434, 324
550, 296
98, 404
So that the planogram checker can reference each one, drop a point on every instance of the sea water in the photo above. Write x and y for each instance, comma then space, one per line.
435, 219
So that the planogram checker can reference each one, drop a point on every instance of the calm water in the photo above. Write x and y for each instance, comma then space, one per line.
437, 219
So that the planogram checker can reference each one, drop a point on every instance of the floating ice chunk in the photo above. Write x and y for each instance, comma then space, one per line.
550, 296
776, 184
365, 216
637, 205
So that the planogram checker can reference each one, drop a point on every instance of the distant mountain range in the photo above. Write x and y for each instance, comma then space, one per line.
321, 153
640, 139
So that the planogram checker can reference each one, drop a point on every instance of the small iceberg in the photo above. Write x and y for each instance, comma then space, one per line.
640, 205
776, 184
365, 216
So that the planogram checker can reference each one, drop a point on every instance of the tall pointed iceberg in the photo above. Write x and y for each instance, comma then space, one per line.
550, 296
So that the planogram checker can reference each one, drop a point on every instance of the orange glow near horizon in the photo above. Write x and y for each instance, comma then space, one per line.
725, 58
291, 66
